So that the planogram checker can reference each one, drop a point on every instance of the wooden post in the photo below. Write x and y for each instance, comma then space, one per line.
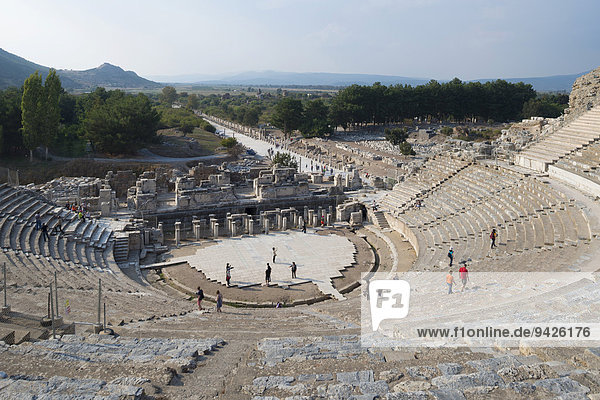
52, 314
99, 300
4, 283
56, 294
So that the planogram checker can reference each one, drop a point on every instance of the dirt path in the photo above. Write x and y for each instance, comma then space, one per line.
146, 156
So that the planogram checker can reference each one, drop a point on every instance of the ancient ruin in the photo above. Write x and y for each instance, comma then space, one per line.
104, 304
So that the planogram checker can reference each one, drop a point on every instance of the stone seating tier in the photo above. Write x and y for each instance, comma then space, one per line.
79, 243
461, 211
581, 133
433, 172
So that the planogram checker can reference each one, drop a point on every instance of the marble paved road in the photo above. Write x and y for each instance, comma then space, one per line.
261, 147
318, 258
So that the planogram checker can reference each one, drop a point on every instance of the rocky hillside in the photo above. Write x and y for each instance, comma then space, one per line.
584, 95
107, 75
14, 70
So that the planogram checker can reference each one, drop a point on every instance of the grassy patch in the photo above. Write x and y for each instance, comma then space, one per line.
176, 144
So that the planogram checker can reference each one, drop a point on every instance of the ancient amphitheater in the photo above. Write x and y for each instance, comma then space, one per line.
121, 275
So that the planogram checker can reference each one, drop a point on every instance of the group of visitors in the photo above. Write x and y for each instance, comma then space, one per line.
292, 266
463, 271
200, 296
464, 278
42, 226
229, 268
82, 210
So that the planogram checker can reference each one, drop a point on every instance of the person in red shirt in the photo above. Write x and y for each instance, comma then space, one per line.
464, 276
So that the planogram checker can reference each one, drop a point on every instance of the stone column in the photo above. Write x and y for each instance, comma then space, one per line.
216, 230
230, 224
267, 223
311, 218
284, 224
329, 219
305, 215
279, 219
177, 233
162, 235
294, 218
234, 228
196, 228
203, 228
331, 212
250, 226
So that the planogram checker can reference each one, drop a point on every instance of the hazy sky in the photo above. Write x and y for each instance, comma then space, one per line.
418, 38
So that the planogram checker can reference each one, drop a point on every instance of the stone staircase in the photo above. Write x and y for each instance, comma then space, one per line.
121, 249
379, 220
577, 135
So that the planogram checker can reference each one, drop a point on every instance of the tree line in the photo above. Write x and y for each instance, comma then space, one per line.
451, 101
43, 114
356, 105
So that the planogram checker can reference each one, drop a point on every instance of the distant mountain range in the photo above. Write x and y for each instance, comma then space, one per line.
14, 70
556, 83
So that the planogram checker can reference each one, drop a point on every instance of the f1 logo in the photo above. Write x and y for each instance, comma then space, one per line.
389, 299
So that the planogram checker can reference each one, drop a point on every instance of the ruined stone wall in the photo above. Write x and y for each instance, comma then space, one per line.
585, 94
120, 182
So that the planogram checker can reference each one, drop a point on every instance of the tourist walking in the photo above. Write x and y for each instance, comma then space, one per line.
219, 301
268, 274
303, 226
58, 227
200, 295
228, 269
38, 222
464, 276
449, 281
294, 268
493, 237
451, 255
274, 254
45, 235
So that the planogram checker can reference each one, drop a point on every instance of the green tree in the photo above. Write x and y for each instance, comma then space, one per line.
10, 119
122, 123
315, 120
193, 102
188, 125
229, 142
446, 130
395, 136
284, 160
168, 95
543, 107
251, 116
406, 149
52, 91
207, 126
33, 114
287, 115
1, 140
